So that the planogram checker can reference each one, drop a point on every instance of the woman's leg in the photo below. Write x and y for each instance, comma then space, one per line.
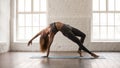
82, 38
80, 51
76, 40
79, 33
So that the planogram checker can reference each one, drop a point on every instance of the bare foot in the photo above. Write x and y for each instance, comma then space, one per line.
94, 55
44, 56
80, 52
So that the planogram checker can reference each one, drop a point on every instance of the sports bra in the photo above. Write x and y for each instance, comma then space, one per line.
53, 27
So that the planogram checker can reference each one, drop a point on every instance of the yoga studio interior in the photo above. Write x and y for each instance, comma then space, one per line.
59, 33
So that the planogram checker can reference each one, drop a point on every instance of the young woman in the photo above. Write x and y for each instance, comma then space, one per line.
47, 36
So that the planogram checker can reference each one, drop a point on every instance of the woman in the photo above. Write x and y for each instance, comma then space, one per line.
70, 32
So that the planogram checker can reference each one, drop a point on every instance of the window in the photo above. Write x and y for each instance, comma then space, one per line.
106, 20
31, 17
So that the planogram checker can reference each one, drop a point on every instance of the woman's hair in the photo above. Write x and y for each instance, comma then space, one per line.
44, 42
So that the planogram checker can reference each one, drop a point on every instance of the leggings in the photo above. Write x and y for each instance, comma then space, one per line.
71, 33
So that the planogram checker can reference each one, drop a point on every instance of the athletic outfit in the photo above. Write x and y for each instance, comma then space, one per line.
71, 33
53, 28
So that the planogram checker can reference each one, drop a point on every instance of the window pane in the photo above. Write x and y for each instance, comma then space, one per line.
95, 18
110, 18
27, 5
21, 20
109, 21
36, 20
117, 33
36, 5
35, 31
21, 33
117, 5
103, 19
110, 32
117, 19
95, 32
110, 5
20, 5
43, 6
28, 20
103, 32
43, 19
95, 5
102, 5
28, 32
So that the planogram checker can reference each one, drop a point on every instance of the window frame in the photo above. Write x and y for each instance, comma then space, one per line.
15, 25
107, 11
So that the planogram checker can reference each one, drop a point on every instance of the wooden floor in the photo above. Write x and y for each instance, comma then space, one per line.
24, 60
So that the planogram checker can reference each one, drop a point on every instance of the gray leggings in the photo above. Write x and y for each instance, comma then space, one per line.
71, 33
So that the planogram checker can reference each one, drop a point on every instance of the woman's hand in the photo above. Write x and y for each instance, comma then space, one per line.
30, 42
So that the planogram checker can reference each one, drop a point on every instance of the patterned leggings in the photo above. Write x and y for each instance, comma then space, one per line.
71, 33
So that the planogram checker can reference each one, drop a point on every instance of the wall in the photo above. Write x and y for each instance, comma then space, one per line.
4, 25
78, 14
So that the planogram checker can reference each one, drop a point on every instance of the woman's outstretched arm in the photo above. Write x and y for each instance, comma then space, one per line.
30, 42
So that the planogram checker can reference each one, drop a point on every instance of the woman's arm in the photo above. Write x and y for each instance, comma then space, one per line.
51, 37
30, 42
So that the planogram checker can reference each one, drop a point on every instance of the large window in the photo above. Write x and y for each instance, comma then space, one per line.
31, 17
106, 20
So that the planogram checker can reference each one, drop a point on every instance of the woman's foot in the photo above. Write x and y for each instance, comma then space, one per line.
44, 56
80, 52
94, 55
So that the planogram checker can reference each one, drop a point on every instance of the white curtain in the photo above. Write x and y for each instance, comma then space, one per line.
4, 25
